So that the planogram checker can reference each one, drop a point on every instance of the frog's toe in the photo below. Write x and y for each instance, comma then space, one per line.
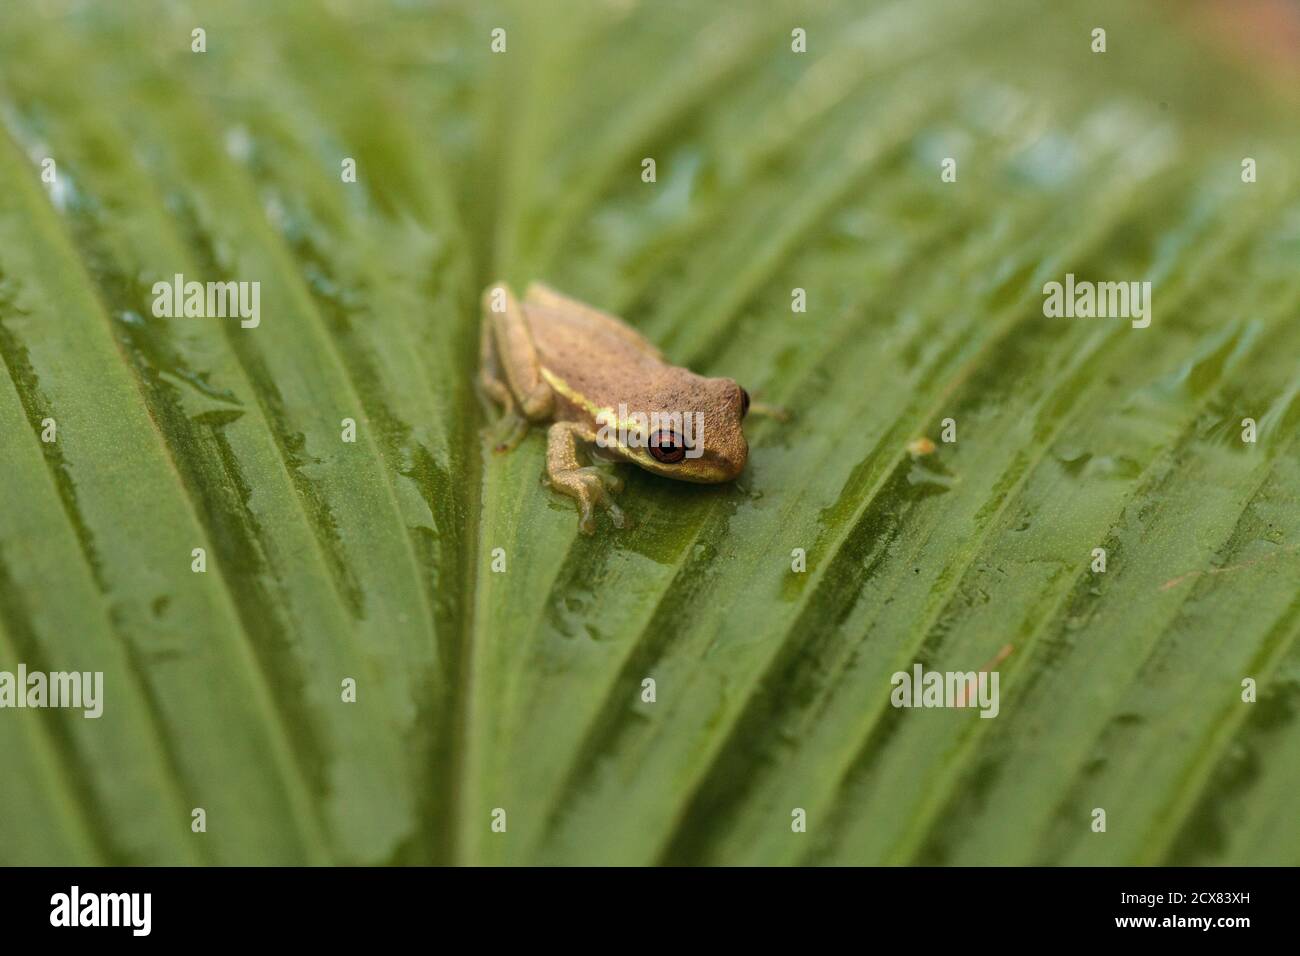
590, 489
609, 480
598, 487
510, 431
602, 490
616, 515
764, 410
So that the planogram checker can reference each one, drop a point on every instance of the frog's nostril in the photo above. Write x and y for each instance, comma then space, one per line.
744, 403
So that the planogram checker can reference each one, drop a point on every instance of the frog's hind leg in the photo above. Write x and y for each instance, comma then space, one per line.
509, 371
491, 387
589, 485
511, 427
516, 353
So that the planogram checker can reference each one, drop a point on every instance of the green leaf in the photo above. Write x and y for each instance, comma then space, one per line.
329, 560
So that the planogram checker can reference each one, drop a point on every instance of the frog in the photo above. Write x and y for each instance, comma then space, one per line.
608, 394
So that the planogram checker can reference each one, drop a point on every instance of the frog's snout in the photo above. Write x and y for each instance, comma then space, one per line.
734, 464
724, 466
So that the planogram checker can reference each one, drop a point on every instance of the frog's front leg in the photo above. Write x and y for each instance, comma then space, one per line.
589, 485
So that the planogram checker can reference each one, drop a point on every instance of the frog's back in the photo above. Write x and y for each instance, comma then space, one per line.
545, 302
596, 358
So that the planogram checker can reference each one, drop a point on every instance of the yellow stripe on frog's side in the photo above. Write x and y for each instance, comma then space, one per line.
573, 395
598, 413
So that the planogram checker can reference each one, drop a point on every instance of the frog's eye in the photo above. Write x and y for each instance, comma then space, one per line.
667, 447
744, 403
